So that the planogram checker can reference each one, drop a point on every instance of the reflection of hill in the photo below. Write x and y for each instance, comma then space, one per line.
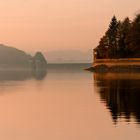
121, 93
39, 74
18, 75
21, 75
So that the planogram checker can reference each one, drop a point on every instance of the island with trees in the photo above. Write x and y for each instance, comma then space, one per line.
119, 48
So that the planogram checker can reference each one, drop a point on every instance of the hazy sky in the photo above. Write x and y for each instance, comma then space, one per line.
48, 25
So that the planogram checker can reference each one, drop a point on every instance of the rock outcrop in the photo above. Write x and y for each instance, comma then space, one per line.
39, 61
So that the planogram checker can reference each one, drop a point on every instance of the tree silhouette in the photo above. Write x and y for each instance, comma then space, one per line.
112, 37
121, 40
133, 38
123, 32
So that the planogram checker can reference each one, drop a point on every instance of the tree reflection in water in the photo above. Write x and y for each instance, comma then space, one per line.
121, 94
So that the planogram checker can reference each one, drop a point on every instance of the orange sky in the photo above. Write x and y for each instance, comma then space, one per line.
48, 25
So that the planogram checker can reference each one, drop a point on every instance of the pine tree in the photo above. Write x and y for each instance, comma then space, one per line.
124, 29
133, 38
112, 37
102, 48
122, 39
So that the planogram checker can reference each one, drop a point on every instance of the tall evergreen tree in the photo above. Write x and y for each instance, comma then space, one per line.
122, 39
112, 37
133, 38
102, 48
124, 30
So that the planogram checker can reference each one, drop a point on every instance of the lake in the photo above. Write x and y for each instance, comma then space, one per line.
67, 103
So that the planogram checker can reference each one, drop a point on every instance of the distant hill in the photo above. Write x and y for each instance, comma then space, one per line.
69, 56
14, 58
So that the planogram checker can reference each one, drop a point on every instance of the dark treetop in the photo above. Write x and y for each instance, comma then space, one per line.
121, 40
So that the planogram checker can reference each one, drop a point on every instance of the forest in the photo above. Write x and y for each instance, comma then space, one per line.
121, 40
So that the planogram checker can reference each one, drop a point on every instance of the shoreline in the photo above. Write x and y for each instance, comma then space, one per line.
115, 65
120, 68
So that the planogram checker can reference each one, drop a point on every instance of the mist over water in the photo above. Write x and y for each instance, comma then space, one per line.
69, 103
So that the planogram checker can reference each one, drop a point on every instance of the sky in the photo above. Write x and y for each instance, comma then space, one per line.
48, 25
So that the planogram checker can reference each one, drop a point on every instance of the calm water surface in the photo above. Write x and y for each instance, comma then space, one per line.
67, 103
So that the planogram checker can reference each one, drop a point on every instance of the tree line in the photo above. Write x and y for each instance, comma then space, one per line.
121, 40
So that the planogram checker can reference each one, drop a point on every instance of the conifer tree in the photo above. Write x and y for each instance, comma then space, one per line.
121, 40
123, 32
133, 38
112, 37
102, 48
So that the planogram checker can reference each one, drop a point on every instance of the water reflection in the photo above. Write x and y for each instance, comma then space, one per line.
21, 75
121, 94
39, 74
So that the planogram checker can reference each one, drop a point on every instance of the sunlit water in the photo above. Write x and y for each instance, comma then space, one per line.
68, 103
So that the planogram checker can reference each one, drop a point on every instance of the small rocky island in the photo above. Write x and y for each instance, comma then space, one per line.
39, 61
119, 48
14, 59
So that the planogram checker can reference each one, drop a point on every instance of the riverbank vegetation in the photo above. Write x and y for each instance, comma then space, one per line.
121, 40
